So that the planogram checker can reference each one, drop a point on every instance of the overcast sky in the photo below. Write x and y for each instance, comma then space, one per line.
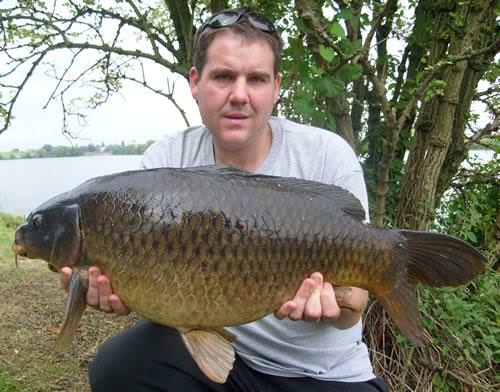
133, 115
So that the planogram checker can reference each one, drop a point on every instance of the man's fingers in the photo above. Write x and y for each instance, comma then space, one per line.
312, 308
93, 290
303, 294
104, 288
285, 310
99, 293
329, 306
65, 277
117, 305
342, 295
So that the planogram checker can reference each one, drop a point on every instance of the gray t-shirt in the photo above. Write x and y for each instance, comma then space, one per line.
284, 347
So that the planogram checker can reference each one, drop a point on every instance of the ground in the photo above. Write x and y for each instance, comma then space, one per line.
31, 312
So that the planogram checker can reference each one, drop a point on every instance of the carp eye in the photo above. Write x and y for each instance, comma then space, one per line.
36, 221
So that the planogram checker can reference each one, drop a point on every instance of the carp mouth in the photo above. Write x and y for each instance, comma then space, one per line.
19, 250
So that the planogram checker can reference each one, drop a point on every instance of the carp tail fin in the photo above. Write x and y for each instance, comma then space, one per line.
439, 260
401, 304
432, 259
74, 310
211, 350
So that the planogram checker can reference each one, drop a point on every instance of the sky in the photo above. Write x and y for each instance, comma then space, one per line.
134, 115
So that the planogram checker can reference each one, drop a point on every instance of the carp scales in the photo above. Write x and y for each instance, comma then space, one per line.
203, 248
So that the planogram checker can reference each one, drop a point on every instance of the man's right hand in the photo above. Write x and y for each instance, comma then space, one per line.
99, 294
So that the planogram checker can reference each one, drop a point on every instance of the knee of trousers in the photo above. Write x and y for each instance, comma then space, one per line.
123, 358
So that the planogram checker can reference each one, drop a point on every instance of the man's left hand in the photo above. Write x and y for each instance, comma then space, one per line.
316, 300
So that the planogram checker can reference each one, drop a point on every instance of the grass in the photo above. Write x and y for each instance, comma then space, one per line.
32, 308
7, 384
31, 312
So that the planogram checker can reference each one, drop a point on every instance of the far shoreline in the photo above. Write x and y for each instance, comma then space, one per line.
49, 151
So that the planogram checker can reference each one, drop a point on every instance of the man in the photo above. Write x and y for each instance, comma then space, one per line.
310, 343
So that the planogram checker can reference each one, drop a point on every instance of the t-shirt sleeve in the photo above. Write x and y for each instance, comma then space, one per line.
156, 155
348, 174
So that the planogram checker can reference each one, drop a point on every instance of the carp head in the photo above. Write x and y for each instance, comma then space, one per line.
51, 233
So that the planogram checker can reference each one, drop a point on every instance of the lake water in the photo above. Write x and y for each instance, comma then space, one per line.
27, 183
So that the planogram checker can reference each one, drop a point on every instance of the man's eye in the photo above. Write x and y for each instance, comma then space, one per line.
257, 79
223, 77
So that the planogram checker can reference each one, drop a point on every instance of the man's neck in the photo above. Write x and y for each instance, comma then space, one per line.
249, 157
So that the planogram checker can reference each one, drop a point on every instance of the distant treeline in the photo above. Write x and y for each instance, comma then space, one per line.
49, 151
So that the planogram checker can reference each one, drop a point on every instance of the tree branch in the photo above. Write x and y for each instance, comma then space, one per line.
12, 101
488, 130
431, 72
29, 34
169, 94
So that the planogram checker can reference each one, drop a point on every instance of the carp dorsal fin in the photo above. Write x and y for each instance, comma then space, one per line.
211, 350
343, 199
74, 309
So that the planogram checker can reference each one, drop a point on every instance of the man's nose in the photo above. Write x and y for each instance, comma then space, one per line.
239, 91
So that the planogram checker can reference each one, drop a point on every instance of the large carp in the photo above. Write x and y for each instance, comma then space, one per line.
207, 247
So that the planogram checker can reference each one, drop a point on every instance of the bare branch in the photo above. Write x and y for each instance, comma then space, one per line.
31, 33
142, 18
388, 8
317, 23
169, 94
13, 100
493, 90
489, 130
60, 80
431, 72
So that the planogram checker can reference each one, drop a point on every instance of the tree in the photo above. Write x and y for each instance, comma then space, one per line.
400, 89
424, 97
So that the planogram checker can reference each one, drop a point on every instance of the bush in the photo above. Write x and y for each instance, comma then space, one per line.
463, 322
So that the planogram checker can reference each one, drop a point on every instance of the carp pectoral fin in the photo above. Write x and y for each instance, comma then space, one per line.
211, 350
74, 310
401, 304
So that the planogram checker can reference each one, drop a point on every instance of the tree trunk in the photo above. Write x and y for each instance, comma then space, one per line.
183, 23
316, 29
476, 68
456, 29
218, 5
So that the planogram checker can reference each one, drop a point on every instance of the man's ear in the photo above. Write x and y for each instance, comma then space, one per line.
277, 85
194, 78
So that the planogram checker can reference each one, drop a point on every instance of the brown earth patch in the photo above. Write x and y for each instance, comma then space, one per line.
32, 307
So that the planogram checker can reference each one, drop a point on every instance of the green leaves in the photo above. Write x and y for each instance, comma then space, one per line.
470, 208
336, 30
349, 72
329, 86
327, 53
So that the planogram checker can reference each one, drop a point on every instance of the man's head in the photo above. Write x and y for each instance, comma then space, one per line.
236, 83
240, 21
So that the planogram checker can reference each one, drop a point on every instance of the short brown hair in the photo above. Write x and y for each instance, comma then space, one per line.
242, 28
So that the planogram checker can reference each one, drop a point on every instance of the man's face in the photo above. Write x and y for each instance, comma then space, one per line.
236, 91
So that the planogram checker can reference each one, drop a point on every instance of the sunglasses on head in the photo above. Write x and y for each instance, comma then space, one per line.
229, 18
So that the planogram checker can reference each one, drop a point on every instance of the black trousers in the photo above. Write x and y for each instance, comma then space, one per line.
151, 357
